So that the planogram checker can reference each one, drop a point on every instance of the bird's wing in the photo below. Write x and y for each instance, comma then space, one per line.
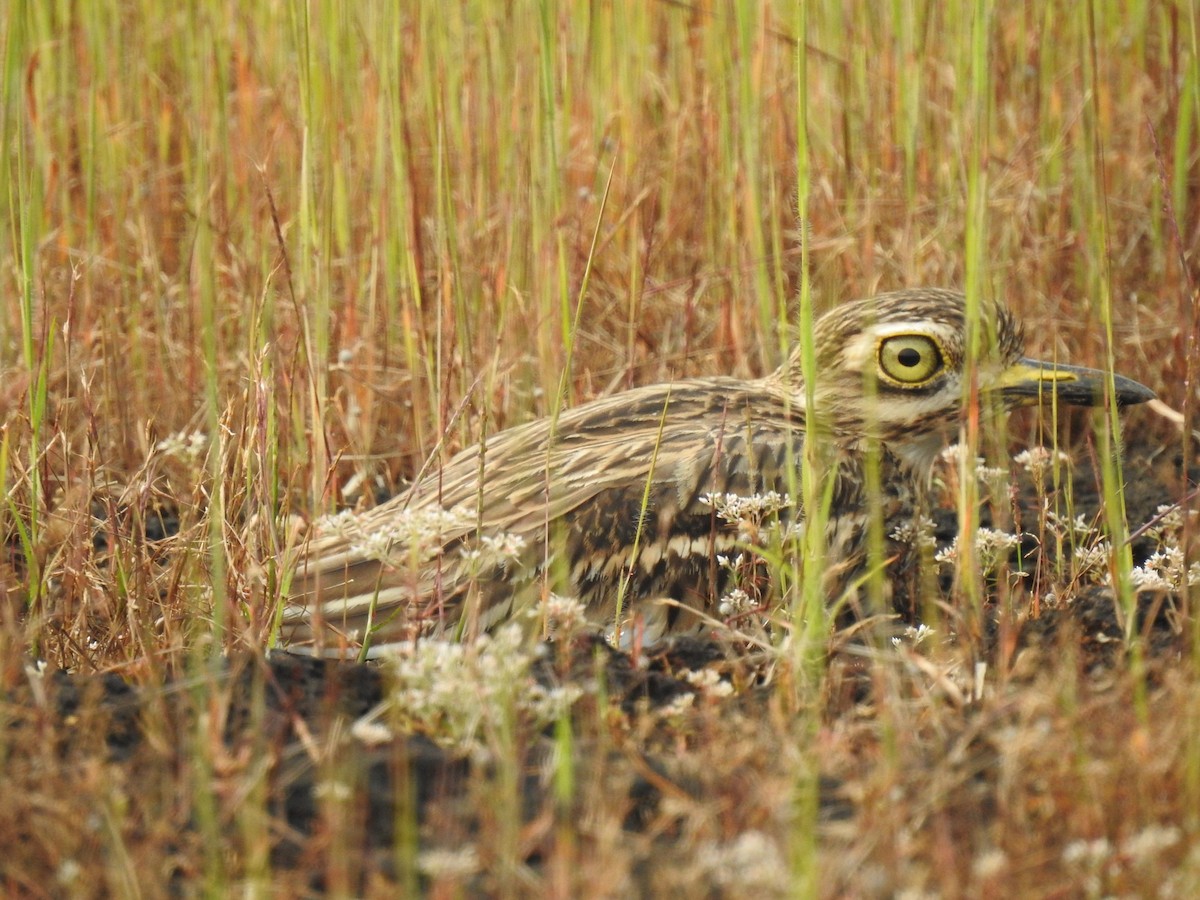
665, 443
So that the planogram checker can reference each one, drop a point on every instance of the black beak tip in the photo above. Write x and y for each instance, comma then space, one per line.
1128, 392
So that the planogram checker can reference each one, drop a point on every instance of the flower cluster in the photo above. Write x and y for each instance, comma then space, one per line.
749, 513
917, 533
751, 863
760, 528
736, 508
410, 536
915, 635
1092, 561
956, 456
736, 603
564, 615
183, 445
495, 549
992, 549
1097, 862
459, 692
1067, 528
1168, 524
1038, 461
708, 681
1165, 570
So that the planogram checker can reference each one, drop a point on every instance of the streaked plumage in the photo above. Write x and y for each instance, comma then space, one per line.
569, 496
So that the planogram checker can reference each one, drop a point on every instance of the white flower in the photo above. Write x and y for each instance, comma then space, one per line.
732, 565
1087, 853
1148, 843
915, 634
709, 681
496, 549
1168, 523
1079, 527
917, 533
735, 603
1165, 570
334, 789
460, 862
335, 523
1036, 460
368, 731
918, 633
955, 455
1094, 557
68, 871
992, 548
677, 707
376, 545
411, 536
508, 545
736, 508
183, 444
989, 863
1148, 580
751, 863
564, 615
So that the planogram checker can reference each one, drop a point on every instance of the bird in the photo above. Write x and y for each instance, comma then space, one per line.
623, 502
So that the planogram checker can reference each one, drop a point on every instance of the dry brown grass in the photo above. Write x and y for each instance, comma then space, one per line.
436, 174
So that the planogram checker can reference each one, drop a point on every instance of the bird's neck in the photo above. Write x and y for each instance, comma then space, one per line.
916, 455
909, 453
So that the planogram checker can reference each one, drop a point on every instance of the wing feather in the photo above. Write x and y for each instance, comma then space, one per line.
590, 471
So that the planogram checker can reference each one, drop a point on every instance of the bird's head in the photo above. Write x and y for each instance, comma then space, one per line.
895, 368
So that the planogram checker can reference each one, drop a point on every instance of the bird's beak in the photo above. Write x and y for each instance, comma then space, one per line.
1028, 381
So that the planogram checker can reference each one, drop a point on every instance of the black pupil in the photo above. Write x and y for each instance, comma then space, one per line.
908, 357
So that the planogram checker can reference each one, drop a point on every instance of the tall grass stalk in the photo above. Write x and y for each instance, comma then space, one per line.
25, 202
808, 608
808, 611
976, 110
1187, 128
1107, 425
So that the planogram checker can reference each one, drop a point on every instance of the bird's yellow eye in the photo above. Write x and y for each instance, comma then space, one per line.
909, 360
